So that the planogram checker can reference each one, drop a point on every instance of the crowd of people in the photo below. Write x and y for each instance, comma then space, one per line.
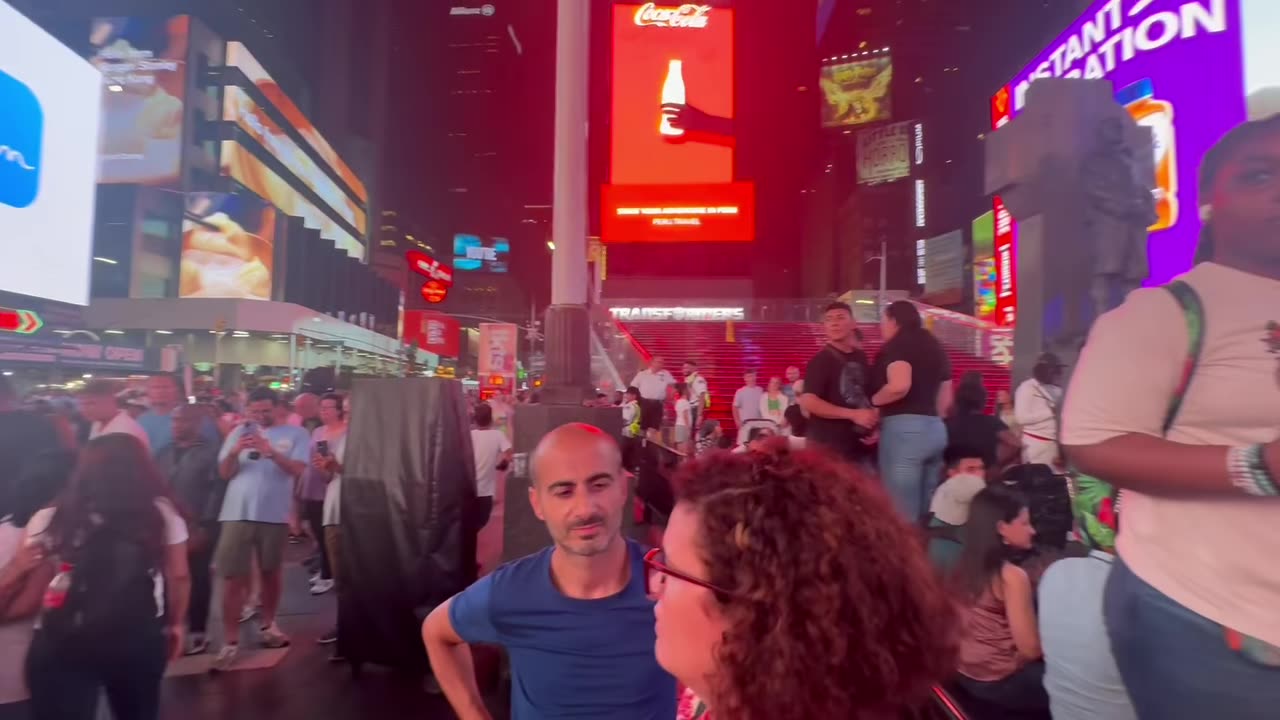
874, 539
920, 543
117, 513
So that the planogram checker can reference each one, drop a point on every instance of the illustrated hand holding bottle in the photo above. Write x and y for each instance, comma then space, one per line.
673, 93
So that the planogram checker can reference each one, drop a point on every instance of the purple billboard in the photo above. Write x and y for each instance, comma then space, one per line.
1190, 70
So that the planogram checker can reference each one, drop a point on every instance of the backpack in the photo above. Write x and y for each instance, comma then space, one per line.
1092, 493
112, 591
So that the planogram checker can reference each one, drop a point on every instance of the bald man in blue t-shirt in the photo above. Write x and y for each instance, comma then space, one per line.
574, 618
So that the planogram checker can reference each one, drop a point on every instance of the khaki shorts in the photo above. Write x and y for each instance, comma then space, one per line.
242, 540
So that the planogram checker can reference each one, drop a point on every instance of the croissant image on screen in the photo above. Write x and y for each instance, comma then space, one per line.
227, 247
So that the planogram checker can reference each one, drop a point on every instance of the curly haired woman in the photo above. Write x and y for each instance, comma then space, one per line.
789, 589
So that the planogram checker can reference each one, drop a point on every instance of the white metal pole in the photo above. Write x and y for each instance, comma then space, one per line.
569, 211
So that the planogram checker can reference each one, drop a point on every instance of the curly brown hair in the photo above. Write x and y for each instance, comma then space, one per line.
835, 610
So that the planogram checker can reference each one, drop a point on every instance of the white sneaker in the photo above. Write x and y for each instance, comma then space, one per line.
248, 613
226, 658
321, 586
274, 637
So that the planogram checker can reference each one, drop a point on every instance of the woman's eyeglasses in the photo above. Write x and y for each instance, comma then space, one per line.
657, 571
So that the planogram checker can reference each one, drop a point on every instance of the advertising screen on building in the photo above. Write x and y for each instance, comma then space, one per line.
472, 253
49, 118
1190, 70
856, 89
984, 267
248, 170
228, 247
884, 153
239, 108
672, 159
239, 56
144, 75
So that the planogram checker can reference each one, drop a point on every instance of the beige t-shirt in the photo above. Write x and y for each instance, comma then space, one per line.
1215, 556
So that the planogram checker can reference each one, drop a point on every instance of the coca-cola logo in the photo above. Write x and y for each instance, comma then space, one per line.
682, 16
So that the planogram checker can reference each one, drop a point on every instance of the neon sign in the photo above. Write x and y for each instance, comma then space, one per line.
429, 267
678, 313
682, 16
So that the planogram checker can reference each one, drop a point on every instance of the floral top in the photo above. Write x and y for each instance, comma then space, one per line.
691, 707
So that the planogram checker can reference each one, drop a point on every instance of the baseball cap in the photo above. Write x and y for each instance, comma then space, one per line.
952, 499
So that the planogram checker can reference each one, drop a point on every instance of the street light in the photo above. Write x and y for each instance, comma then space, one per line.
884, 253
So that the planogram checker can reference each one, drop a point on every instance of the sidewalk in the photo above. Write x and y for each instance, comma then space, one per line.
303, 685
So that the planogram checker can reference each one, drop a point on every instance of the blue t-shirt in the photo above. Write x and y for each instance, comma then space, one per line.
261, 491
570, 658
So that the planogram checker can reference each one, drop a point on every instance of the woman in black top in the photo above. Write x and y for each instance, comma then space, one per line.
914, 376
971, 427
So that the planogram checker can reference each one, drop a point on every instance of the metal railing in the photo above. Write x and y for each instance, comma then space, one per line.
961, 332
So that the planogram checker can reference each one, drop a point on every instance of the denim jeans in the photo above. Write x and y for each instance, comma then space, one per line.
1176, 664
911, 448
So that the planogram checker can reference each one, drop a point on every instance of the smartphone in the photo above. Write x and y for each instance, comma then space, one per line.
251, 428
322, 448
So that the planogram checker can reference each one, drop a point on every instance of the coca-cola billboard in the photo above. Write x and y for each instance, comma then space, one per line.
672, 172
688, 15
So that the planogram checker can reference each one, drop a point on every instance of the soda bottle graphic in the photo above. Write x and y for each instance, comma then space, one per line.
672, 93
55, 596
1139, 100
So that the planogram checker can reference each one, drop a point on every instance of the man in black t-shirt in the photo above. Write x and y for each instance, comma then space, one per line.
836, 395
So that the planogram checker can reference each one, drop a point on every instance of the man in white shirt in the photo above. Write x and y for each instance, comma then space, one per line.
746, 402
1035, 406
697, 391
652, 384
98, 405
492, 449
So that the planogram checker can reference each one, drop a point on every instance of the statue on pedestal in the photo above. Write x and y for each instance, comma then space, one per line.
1119, 207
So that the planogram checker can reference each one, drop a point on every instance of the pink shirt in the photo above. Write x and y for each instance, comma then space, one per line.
1215, 556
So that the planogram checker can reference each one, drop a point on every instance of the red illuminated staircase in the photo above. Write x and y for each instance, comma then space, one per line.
768, 348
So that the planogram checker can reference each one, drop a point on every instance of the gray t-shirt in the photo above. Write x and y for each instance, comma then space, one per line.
747, 400
261, 491
1080, 672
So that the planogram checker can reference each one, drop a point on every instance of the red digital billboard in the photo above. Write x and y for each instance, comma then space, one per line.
672, 160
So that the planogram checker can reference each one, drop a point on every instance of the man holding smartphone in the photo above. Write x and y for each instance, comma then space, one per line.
260, 460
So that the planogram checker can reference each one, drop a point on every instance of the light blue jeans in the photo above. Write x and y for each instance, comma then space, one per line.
1178, 665
911, 448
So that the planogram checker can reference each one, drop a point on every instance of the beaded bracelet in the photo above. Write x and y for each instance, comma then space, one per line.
1249, 472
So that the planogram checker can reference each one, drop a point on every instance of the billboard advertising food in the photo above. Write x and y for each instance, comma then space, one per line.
1188, 69
144, 75
673, 126
856, 89
239, 108
239, 56
472, 253
497, 350
243, 166
228, 247
49, 118
884, 153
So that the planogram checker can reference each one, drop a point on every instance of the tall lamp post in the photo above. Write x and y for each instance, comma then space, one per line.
568, 326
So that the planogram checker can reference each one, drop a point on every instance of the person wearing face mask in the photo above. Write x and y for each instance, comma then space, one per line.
861, 640
1176, 401
574, 618
1000, 656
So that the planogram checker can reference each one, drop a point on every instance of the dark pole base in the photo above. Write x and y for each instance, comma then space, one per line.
568, 375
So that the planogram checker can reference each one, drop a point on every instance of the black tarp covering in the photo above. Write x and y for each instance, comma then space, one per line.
408, 541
